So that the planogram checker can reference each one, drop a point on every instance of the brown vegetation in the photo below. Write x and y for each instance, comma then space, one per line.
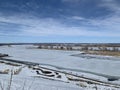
107, 53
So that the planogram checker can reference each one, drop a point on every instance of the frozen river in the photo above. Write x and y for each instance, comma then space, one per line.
64, 60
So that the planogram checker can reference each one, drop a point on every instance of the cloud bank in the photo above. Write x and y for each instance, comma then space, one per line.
74, 25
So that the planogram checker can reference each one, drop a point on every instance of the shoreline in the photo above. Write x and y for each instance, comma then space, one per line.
69, 76
104, 53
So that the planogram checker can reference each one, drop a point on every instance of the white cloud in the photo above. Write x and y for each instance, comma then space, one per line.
78, 18
112, 5
46, 27
110, 24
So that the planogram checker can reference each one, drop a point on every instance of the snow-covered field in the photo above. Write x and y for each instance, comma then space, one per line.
96, 68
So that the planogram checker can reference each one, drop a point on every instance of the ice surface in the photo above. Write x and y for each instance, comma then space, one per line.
56, 59
63, 59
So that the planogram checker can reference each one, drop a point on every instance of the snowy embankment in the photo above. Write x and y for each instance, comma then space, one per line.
26, 77
26, 69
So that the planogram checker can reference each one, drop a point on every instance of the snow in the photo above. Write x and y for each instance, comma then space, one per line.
37, 84
63, 59
58, 60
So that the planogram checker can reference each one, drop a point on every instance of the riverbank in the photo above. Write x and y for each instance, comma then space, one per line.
39, 71
105, 53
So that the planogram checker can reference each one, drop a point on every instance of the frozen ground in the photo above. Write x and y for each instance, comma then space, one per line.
35, 77
29, 83
96, 68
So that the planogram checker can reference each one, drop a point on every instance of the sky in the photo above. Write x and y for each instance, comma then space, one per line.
60, 21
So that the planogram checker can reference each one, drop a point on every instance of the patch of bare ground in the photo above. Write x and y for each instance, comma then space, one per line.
106, 53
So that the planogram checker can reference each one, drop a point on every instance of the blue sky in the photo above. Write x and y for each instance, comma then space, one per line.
82, 21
